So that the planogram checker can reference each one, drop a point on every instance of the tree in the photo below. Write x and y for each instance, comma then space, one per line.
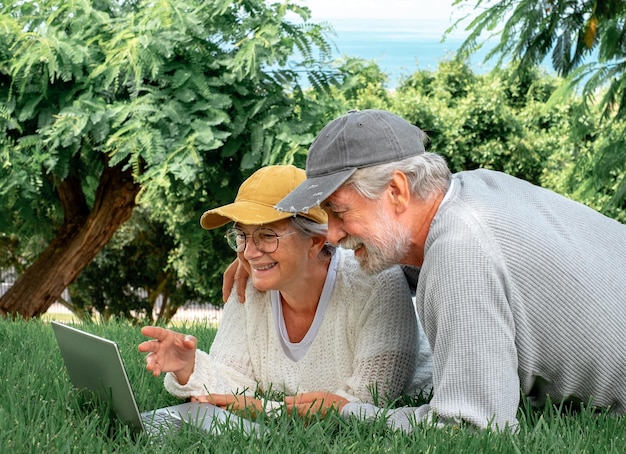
585, 41
498, 120
107, 104
131, 276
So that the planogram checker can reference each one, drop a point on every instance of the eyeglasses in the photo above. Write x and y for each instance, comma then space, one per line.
265, 240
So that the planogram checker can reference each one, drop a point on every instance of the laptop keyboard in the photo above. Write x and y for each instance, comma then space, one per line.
161, 420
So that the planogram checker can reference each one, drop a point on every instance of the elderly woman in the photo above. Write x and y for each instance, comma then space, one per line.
312, 321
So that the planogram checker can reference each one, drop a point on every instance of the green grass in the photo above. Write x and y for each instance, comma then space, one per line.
41, 413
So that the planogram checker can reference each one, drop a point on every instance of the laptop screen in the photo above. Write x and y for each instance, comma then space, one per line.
95, 363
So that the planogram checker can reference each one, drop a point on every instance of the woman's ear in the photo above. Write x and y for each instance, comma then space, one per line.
399, 192
317, 243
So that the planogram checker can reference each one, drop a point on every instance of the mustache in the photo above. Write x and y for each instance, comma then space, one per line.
351, 242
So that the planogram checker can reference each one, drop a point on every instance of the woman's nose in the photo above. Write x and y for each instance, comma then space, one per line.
251, 250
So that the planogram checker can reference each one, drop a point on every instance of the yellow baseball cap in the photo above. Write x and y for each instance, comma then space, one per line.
254, 204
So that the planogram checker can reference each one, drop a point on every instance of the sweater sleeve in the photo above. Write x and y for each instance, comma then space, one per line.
227, 368
463, 302
386, 339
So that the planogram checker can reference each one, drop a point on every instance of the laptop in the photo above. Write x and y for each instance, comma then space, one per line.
95, 363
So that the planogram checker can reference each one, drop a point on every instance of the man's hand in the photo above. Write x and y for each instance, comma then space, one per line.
169, 351
235, 273
315, 402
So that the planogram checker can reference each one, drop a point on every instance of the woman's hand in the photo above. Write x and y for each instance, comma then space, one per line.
315, 402
169, 351
232, 402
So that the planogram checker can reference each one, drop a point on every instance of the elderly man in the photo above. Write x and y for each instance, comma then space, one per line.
519, 289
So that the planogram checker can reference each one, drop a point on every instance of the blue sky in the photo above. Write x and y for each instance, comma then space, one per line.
431, 17
385, 9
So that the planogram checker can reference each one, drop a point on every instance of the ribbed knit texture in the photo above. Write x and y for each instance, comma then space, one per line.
369, 336
521, 289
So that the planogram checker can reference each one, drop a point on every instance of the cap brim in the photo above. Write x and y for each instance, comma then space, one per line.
313, 191
248, 213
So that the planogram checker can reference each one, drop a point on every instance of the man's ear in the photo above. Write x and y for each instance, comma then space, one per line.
399, 192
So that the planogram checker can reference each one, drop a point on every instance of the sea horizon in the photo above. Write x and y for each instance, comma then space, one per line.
402, 47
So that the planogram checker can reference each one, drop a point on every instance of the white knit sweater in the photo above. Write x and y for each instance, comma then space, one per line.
521, 290
369, 336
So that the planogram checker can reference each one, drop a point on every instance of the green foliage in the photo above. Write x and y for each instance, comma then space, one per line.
585, 41
194, 96
191, 96
497, 121
358, 84
132, 276
588, 167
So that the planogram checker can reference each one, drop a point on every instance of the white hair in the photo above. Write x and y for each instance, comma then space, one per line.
308, 228
427, 173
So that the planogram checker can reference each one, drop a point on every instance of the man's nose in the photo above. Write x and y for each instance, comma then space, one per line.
335, 231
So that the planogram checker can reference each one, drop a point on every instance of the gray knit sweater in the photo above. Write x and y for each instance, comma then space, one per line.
522, 290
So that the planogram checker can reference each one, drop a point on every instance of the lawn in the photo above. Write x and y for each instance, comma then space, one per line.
40, 412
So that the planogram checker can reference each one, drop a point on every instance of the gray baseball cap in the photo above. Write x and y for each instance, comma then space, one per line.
357, 139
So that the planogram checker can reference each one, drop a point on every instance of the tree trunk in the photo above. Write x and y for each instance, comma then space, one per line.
83, 234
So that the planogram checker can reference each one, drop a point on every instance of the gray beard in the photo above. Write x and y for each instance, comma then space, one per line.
385, 248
